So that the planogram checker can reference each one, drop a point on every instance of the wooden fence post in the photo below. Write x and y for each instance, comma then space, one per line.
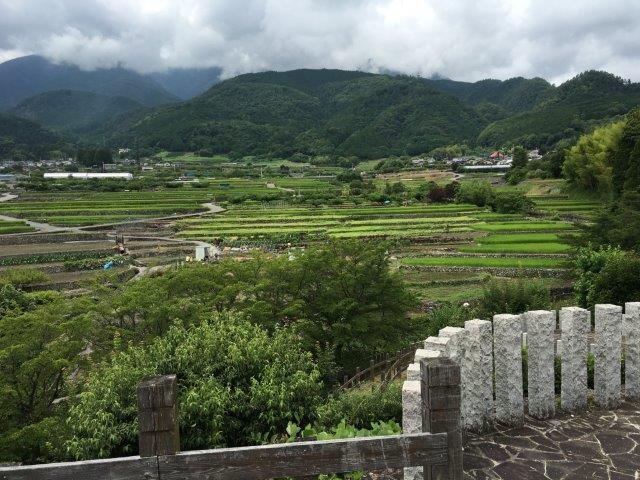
158, 416
441, 413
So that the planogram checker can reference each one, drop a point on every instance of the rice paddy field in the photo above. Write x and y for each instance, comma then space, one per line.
11, 226
444, 251
94, 208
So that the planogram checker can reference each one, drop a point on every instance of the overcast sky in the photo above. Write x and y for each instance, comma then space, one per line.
460, 39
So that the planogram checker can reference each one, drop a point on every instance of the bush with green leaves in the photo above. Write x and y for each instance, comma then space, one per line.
588, 263
513, 296
237, 385
342, 430
362, 406
445, 315
476, 192
510, 202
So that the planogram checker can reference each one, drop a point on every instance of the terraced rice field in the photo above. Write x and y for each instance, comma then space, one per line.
8, 226
79, 209
250, 224
479, 262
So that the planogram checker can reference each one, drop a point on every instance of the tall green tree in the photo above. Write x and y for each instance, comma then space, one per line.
588, 164
520, 157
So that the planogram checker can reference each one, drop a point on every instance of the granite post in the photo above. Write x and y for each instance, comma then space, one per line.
477, 376
606, 381
507, 343
575, 323
631, 331
412, 419
541, 325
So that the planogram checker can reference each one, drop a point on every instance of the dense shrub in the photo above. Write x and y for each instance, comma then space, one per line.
362, 407
588, 262
509, 296
476, 192
237, 384
510, 202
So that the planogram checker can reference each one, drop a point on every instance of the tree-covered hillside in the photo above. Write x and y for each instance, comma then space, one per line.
20, 138
513, 95
313, 112
575, 106
73, 110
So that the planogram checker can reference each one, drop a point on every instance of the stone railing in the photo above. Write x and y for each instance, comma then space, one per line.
490, 359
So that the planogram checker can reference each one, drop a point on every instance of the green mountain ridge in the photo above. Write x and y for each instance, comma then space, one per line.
21, 137
585, 101
313, 112
73, 110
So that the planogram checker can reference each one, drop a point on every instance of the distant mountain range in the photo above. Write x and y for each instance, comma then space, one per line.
314, 112
24, 77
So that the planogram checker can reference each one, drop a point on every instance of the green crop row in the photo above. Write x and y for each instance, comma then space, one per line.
31, 259
519, 238
518, 248
500, 262
522, 226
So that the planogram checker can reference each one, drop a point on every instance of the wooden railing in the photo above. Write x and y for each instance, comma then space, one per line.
385, 366
438, 452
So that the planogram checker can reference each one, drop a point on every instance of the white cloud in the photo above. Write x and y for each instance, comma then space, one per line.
462, 39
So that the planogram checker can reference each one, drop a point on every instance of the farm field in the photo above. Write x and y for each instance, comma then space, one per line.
91, 208
462, 242
10, 226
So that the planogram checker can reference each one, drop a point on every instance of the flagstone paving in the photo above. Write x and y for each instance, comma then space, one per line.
594, 444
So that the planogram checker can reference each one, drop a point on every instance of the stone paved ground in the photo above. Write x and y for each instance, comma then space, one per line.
591, 445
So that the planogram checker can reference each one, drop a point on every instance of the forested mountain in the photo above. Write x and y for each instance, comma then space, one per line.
73, 110
186, 83
24, 77
313, 112
22, 138
588, 99
513, 95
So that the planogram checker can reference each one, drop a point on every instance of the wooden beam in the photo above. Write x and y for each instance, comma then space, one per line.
124, 468
254, 463
307, 458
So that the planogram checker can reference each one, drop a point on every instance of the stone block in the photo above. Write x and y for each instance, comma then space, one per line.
412, 418
413, 372
631, 331
507, 353
541, 325
608, 334
575, 323
422, 353
436, 343
476, 371
454, 349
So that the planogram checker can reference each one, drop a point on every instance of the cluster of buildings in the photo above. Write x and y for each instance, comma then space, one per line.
496, 161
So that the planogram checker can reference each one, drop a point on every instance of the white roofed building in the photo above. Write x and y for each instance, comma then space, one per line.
88, 175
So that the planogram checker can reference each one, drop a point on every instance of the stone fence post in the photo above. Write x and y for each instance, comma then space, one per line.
541, 325
574, 323
631, 332
507, 344
607, 381
477, 376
